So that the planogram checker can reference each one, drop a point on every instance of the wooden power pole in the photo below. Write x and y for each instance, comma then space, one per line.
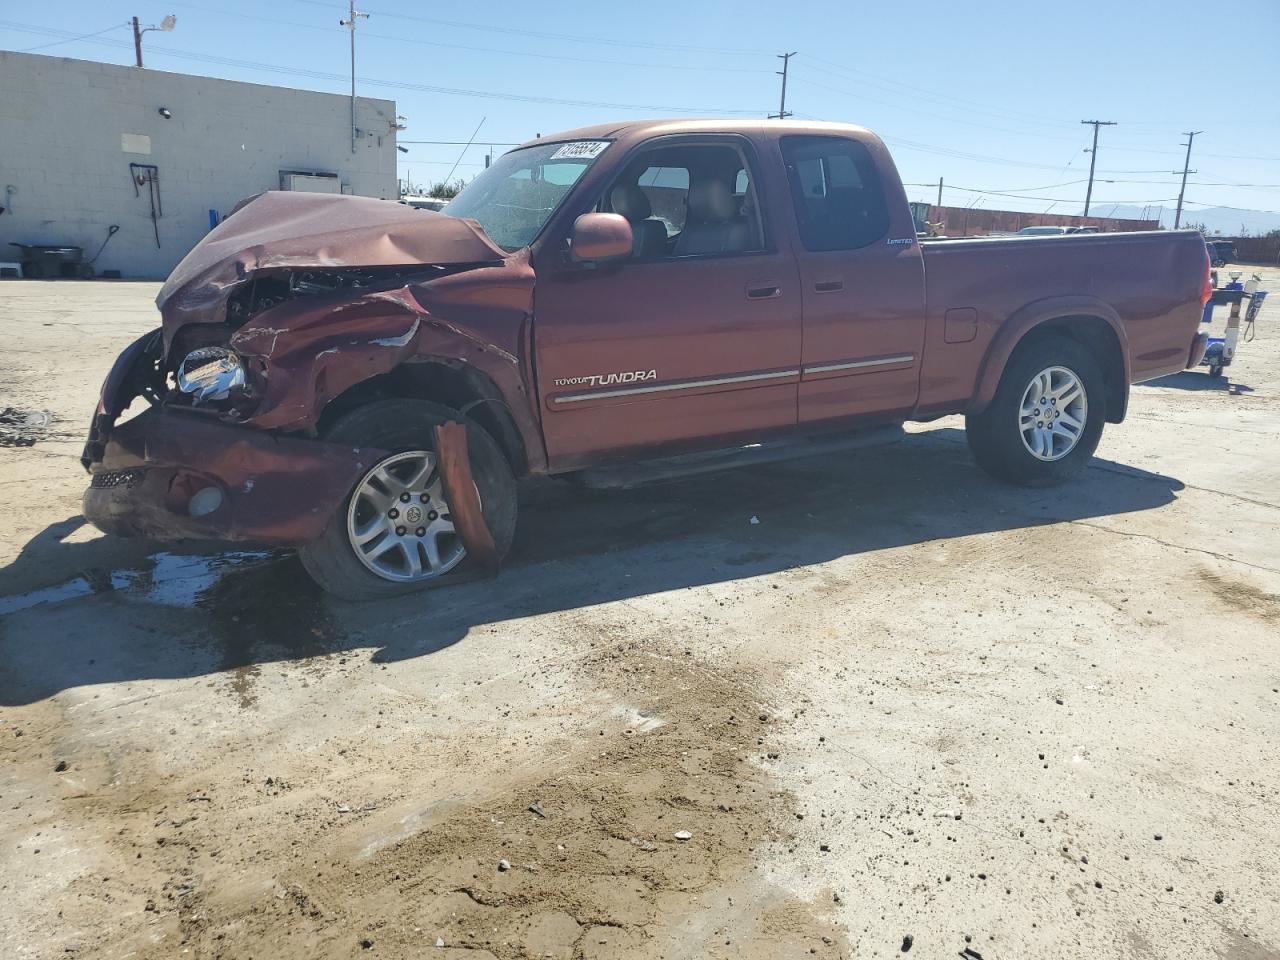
1093, 158
1186, 168
783, 112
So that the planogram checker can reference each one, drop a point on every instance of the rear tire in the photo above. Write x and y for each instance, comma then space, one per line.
1007, 439
399, 426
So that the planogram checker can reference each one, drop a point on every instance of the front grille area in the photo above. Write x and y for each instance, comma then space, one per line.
116, 478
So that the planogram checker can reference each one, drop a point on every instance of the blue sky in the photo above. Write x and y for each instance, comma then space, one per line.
987, 95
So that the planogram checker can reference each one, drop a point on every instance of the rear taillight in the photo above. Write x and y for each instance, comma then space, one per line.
1206, 292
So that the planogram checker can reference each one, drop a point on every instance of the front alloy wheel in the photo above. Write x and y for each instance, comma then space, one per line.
398, 521
395, 533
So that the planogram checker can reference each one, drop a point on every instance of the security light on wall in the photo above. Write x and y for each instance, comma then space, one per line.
166, 113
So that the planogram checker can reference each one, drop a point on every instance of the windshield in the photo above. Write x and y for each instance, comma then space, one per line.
518, 194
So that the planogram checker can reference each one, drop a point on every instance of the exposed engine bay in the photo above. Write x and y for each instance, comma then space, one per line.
267, 290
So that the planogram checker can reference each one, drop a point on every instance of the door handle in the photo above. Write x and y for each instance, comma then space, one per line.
828, 286
763, 290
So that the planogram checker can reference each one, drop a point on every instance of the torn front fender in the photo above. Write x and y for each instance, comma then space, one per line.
134, 373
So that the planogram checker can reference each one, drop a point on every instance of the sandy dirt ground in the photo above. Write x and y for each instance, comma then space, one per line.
908, 710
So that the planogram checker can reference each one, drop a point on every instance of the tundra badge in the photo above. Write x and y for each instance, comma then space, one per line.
606, 379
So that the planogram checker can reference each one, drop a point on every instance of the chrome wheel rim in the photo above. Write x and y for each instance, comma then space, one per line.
398, 522
1053, 413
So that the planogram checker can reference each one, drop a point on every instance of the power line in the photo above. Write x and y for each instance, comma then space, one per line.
862, 98
399, 84
1020, 196
461, 143
83, 36
863, 77
542, 35
474, 49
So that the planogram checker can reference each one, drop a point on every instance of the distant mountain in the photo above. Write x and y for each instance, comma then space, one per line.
1215, 219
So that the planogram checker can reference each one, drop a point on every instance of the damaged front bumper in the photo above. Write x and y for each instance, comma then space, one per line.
155, 470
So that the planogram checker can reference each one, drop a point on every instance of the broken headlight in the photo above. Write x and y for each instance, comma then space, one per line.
211, 373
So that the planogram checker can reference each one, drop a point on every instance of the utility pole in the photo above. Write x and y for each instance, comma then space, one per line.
939, 193
783, 113
166, 25
1093, 158
353, 16
1177, 217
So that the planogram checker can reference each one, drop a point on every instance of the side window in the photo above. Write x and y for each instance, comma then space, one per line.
691, 200
836, 193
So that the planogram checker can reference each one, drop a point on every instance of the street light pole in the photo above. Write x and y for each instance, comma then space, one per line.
166, 25
350, 23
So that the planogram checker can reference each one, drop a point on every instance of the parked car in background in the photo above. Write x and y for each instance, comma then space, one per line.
700, 285
1042, 231
425, 203
1221, 252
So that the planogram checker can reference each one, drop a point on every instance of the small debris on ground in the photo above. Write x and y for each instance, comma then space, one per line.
504, 866
683, 835
907, 941
536, 808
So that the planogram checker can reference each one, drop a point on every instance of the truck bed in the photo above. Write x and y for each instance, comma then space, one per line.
1150, 281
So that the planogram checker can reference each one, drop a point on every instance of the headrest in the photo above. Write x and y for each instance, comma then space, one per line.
711, 200
630, 201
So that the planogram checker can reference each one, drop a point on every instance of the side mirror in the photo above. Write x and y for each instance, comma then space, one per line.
601, 236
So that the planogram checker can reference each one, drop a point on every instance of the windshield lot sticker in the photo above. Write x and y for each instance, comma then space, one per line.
580, 150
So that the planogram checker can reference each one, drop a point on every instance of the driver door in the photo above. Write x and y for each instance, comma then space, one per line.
694, 344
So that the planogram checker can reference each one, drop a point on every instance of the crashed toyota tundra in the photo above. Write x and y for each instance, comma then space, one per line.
604, 296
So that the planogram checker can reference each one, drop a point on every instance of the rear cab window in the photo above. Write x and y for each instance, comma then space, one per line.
836, 192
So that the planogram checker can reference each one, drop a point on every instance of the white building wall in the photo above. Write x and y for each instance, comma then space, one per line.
64, 174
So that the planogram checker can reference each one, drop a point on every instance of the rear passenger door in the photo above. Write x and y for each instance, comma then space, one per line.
862, 282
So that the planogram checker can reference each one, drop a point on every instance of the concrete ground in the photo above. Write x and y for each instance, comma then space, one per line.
908, 709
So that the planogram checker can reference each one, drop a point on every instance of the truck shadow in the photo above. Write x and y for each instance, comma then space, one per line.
203, 613
1198, 381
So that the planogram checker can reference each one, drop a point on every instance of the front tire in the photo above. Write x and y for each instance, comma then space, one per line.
380, 544
1046, 418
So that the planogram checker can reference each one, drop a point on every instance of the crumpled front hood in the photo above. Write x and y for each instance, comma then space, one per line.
282, 230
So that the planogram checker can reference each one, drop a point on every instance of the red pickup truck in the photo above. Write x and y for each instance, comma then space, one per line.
609, 295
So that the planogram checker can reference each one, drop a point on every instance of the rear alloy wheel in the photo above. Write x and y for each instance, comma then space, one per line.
1046, 418
1053, 413
394, 534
